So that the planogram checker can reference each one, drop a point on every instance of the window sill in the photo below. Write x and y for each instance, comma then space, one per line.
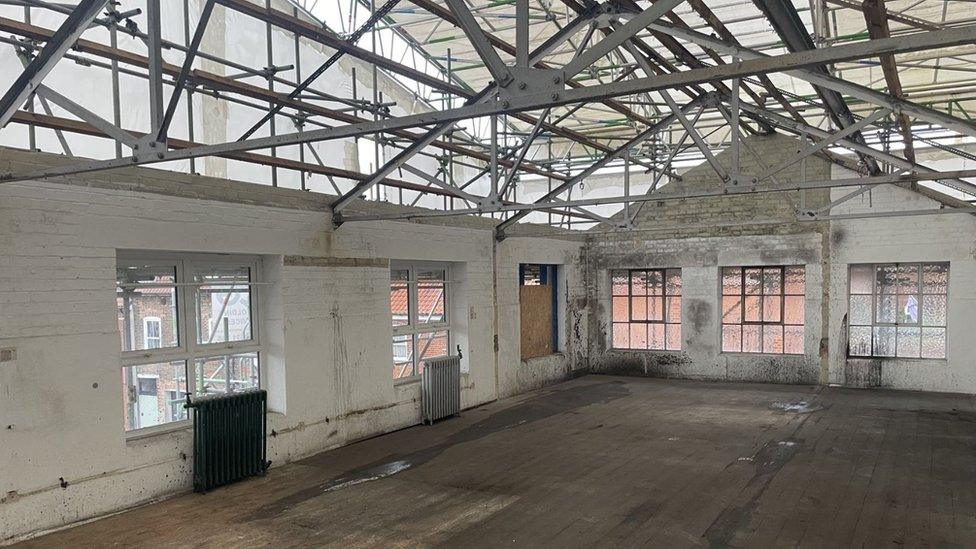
769, 355
897, 358
648, 351
409, 380
416, 379
158, 430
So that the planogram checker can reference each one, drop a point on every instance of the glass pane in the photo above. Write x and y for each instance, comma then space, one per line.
655, 308
399, 303
655, 336
431, 345
674, 310
399, 275
731, 309
618, 281
638, 308
887, 282
793, 340
655, 283
794, 309
754, 281
402, 356
908, 309
674, 282
431, 302
751, 338
935, 278
732, 338
731, 281
621, 335
638, 335
428, 275
859, 343
884, 341
934, 310
772, 308
673, 336
146, 301
531, 274
153, 394
621, 312
908, 279
773, 339
795, 280
638, 283
223, 304
887, 305
933, 343
223, 374
753, 313
860, 313
909, 342
772, 281
861, 279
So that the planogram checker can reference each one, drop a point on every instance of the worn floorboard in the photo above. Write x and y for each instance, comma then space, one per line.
610, 461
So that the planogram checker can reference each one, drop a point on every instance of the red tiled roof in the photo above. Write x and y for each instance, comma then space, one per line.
428, 298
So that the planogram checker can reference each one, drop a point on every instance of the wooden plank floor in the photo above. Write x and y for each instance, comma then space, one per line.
610, 461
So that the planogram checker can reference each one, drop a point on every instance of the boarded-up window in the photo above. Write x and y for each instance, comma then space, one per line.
538, 304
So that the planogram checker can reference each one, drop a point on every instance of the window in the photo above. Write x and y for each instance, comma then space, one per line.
898, 310
152, 333
763, 309
187, 324
646, 309
539, 306
418, 306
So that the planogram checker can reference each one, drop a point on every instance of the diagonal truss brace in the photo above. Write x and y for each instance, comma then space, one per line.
759, 65
40, 66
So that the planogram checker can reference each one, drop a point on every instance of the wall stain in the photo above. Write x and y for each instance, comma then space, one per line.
699, 315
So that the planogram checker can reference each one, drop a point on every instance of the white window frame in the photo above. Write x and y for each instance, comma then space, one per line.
188, 350
413, 328
145, 331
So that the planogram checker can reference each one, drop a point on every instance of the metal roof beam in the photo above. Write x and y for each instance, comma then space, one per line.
782, 15
62, 40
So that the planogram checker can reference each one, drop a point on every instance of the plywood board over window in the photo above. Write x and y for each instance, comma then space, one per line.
536, 317
538, 285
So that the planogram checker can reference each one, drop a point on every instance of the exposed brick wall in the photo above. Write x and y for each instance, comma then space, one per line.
700, 236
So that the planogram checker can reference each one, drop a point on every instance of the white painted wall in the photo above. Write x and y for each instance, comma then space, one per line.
950, 238
327, 330
514, 374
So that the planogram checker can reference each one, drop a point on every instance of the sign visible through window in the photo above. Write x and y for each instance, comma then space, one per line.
898, 310
187, 324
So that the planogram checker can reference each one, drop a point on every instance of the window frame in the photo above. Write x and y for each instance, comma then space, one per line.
762, 295
414, 329
146, 320
188, 350
548, 276
664, 307
875, 323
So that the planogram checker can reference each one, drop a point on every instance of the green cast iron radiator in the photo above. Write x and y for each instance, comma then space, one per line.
229, 438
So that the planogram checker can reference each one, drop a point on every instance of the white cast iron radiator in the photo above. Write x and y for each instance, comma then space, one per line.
441, 388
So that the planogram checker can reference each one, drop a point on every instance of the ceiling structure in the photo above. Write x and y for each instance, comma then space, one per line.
535, 94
